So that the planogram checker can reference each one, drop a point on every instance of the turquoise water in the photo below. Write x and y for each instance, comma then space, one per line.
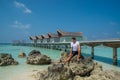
14, 72
10, 72
103, 54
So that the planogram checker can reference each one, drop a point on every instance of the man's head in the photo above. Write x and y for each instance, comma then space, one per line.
73, 39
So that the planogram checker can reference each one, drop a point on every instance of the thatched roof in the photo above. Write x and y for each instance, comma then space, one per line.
63, 33
52, 35
32, 38
44, 36
38, 37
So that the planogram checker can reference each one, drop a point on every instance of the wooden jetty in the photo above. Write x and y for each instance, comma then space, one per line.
109, 43
62, 40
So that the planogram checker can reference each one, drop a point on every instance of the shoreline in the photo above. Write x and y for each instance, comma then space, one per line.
27, 72
107, 66
31, 74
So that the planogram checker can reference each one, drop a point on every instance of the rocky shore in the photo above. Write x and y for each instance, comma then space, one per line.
36, 58
22, 55
6, 59
85, 69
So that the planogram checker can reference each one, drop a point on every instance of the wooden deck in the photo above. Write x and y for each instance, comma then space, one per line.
109, 43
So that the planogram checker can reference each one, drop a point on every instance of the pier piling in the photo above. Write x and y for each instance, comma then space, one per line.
114, 56
65, 45
92, 52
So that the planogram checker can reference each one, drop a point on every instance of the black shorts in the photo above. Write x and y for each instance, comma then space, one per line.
74, 53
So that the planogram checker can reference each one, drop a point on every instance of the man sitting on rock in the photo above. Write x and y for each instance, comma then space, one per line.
74, 50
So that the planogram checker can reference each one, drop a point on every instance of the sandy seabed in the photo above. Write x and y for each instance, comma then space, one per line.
23, 76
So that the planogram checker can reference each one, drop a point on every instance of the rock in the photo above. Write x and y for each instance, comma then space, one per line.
6, 59
34, 52
111, 74
78, 78
103, 75
74, 59
56, 72
64, 55
85, 69
35, 57
97, 69
14, 63
82, 68
22, 55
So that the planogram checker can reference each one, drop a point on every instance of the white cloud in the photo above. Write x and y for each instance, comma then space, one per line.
118, 33
24, 28
113, 23
19, 25
105, 34
22, 6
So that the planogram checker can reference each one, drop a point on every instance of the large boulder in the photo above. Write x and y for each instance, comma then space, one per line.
35, 57
6, 59
82, 68
105, 75
22, 55
56, 72
64, 55
85, 69
59, 71
34, 53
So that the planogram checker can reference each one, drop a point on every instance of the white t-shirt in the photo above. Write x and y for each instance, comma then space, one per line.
74, 46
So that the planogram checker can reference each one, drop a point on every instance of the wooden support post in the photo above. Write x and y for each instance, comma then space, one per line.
60, 47
49, 46
66, 48
92, 52
57, 47
114, 56
35, 43
53, 46
43, 45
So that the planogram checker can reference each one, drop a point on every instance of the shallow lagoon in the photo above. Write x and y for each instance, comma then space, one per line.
103, 55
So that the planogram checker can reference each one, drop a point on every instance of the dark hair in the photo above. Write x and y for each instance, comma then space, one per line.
73, 38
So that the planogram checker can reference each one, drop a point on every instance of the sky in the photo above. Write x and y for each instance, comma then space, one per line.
96, 19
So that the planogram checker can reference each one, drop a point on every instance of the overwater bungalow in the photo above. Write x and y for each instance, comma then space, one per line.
39, 39
45, 38
53, 37
33, 40
66, 36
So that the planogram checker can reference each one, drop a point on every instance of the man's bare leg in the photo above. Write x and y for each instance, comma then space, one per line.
68, 58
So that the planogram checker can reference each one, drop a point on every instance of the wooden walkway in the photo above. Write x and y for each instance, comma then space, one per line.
109, 43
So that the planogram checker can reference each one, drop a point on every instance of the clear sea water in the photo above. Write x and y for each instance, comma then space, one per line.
103, 55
